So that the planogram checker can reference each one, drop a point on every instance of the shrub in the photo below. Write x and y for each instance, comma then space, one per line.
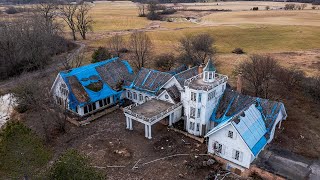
255, 8
123, 50
267, 8
153, 16
169, 11
164, 62
289, 6
21, 152
73, 165
238, 51
11, 10
313, 7
100, 54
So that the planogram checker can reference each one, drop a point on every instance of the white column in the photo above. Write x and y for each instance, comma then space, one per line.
130, 124
146, 131
170, 119
149, 134
279, 124
127, 123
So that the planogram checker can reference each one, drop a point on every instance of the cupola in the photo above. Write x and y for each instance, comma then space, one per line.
209, 72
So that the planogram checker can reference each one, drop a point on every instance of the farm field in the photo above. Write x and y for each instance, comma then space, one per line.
254, 31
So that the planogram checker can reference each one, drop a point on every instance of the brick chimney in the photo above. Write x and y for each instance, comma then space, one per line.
239, 83
200, 69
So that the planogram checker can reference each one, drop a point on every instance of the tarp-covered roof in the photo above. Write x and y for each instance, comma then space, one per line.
97, 81
150, 80
252, 117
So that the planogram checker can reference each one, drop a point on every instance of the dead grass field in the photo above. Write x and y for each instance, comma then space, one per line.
237, 5
114, 16
281, 17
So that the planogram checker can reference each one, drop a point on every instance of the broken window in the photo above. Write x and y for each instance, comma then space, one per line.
135, 96
140, 97
237, 155
217, 147
193, 96
230, 134
198, 126
192, 112
199, 99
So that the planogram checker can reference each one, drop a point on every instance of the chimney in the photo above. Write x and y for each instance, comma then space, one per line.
239, 83
200, 69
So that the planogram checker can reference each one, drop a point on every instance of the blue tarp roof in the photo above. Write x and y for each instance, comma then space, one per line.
252, 117
83, 76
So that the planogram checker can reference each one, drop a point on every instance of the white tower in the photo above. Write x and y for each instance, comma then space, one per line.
202, 93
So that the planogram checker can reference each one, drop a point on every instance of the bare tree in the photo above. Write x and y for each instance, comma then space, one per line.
258, 72
116, 43
141, 46
48, 10
84, 21
68, 14
35, 96
74, 61
196, 49
141, 8
165, 62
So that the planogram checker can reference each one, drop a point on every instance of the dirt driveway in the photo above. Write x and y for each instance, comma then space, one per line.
108, 143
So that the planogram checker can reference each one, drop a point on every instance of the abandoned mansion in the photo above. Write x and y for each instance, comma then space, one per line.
237, 126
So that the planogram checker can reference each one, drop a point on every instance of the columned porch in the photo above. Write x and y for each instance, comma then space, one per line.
150, 113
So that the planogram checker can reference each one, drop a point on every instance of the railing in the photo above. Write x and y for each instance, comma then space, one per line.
219, 79
129, 111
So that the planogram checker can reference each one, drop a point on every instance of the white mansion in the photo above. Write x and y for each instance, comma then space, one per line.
237, 126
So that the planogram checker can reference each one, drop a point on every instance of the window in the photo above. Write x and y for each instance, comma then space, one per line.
198, 126
129, 95
211, 95
199, 99
199, 113
205, 75
134, 95
217, 147
140, 97
237, 155
191, 126
166, 96
210, 75
192, 112
101, 103
90, 107
230, 134
193, 96
85, 109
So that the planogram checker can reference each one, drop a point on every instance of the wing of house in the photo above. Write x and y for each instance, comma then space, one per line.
242, 127
92, 87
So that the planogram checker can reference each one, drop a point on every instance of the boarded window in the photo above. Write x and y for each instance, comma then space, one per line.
230, 134
237, 155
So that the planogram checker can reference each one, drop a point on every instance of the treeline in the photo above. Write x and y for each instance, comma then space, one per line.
27, 43
314, 2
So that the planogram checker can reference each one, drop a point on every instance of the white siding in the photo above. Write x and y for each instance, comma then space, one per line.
230, 144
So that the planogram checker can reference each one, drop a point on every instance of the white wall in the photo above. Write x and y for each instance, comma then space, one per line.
236, 143
56, 91
206, 107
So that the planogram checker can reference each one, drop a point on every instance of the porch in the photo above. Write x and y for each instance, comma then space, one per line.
152, 112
